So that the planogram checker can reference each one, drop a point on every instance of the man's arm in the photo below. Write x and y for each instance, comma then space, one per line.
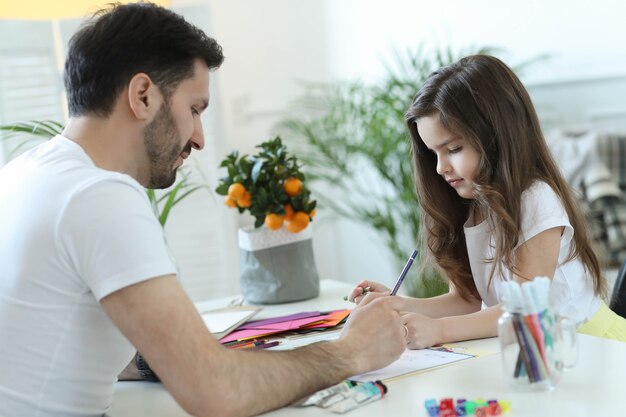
206, 379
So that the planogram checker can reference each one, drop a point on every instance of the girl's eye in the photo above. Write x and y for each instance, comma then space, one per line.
194, 111
455, 150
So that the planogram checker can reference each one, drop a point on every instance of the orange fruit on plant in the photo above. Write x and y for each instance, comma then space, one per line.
292, 186
299, 222
288, 212
245, 201
312, 213
236, 191
274, 221
230, 202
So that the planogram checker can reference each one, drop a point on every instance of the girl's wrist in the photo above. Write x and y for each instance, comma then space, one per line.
443, 330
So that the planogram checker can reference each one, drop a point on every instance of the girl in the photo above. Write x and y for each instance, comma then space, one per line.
494, 207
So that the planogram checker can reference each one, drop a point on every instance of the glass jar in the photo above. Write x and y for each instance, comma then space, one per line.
535, 348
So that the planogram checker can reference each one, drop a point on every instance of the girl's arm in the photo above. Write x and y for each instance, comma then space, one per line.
536, 257
426, 331
449, 304
450, 318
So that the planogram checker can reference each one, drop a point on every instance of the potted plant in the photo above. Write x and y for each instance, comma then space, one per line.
270, 186
276, 255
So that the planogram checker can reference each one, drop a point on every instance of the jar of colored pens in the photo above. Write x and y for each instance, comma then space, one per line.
536, 344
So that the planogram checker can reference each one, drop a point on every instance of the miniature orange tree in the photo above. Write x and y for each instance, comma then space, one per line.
270, 185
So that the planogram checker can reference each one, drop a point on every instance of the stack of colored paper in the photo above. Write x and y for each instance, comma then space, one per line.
300, 322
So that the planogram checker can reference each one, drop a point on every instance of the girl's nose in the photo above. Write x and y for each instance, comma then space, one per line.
442, 166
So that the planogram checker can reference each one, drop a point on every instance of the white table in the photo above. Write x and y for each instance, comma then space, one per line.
593, 388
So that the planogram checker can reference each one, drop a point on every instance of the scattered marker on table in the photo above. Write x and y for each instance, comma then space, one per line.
479, 408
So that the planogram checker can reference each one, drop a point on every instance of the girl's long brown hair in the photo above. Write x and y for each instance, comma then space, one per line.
480, 99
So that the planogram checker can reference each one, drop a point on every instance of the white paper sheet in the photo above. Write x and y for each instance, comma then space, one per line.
413, 361
222, 321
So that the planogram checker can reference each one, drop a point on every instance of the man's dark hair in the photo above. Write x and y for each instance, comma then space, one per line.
124, 40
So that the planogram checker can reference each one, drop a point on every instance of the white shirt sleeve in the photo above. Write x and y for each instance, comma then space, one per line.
111, 237
542, 210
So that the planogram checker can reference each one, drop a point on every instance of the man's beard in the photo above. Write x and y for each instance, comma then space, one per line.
162, 142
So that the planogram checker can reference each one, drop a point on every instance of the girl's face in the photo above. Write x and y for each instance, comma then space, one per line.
457, 160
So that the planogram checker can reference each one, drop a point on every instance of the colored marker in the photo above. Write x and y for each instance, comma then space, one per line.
318, 396
432, 406
259, 344
268, 345
239, 344
341, 396
360, 395
479, 407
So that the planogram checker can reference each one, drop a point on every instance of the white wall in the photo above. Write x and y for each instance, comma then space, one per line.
272, 44
585, 38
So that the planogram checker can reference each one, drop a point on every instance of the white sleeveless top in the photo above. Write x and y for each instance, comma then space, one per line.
571, 291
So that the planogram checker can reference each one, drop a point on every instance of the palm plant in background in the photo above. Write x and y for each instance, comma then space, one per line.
25, 135
352, 139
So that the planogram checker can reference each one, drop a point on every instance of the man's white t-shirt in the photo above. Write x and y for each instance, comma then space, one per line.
571, 290
70, 234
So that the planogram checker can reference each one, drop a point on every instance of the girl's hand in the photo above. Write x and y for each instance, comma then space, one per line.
364, 287
422, 331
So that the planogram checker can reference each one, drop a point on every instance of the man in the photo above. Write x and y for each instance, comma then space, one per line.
85, 277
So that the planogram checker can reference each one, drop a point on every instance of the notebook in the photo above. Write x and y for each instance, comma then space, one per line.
224, 320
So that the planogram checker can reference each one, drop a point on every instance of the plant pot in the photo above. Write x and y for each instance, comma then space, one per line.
277, 266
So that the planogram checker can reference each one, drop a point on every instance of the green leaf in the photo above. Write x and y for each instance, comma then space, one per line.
222, 189
188, 192
169, 203
259, 222
256, 170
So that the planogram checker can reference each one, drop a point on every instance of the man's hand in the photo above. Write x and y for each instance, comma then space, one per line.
376, 335
159, 319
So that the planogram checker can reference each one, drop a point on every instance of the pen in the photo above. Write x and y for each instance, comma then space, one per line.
365, 291
259, 344
405, 270
268, 345
238, 344
242, 345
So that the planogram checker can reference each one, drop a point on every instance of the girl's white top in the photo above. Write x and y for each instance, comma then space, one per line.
571, 291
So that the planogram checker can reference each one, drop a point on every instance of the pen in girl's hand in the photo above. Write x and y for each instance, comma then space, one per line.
405, 270
365, 291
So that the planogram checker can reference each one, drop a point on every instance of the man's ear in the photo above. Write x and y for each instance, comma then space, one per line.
144, 97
